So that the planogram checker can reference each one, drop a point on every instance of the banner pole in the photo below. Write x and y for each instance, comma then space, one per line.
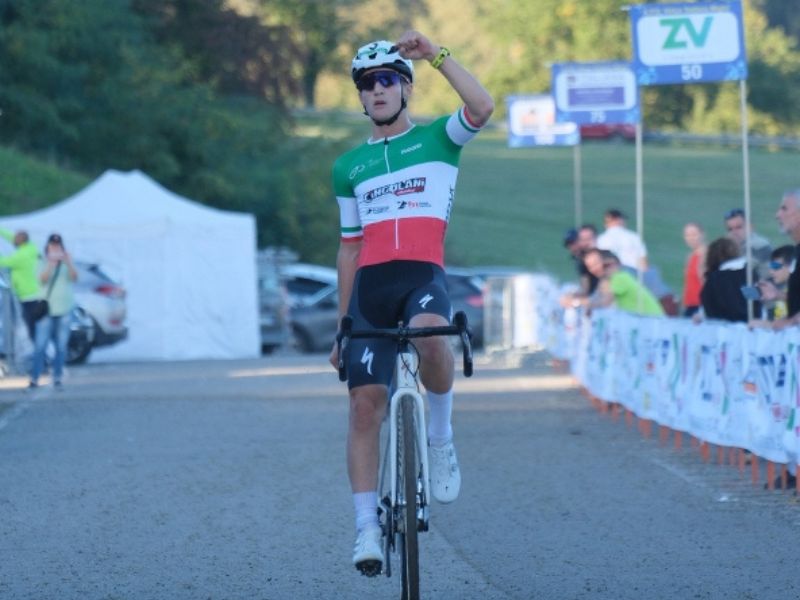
639, 200
576, 156
746, 174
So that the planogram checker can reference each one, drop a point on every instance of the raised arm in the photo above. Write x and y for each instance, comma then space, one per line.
479, 103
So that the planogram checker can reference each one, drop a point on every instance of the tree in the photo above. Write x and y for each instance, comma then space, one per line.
235, 52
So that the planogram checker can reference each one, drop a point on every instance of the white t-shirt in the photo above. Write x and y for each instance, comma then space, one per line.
626, 244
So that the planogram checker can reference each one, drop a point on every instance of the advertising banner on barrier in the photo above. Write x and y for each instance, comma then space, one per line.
532, 122
721, 382
688, 42
595, 92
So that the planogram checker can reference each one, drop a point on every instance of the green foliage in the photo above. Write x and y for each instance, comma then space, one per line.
28, 184
195, 92
88, 84
237, 53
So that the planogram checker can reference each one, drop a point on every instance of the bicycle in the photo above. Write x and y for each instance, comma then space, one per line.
404, 462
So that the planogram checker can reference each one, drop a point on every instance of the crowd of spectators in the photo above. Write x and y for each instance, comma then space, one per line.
737, 277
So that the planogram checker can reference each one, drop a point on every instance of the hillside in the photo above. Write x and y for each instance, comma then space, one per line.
28, 183
513, 205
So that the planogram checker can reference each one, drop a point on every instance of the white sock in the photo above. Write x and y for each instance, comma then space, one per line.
366, 504
440, 430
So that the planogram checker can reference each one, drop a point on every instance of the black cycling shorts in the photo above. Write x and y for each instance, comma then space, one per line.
383, 295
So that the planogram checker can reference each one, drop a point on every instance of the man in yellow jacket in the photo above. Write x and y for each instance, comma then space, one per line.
23, 264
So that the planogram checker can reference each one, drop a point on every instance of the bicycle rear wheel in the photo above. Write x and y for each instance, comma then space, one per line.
408, 472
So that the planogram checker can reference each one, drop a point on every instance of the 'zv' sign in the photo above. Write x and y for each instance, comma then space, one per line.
688, 43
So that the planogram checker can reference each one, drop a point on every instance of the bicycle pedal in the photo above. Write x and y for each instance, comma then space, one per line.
370, 568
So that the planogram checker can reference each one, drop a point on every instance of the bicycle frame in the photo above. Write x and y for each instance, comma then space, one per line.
405, 509
406, 385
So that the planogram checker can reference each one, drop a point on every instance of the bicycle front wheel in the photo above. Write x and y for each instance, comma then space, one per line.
409, 473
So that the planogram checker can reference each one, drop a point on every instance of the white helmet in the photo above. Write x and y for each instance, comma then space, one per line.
381, 54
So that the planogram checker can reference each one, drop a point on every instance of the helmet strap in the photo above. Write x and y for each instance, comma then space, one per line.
393, 118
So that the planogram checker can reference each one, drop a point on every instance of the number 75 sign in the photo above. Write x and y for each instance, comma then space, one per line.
688, 43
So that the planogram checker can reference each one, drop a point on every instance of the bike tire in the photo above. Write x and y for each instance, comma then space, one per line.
409, 472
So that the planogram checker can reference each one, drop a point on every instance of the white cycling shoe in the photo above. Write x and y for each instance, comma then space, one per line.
445, 474
368, 552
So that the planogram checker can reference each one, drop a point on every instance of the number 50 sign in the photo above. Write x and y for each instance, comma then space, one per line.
688, 43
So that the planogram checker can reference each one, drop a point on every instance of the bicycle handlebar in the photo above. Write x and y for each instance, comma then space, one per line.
403, 334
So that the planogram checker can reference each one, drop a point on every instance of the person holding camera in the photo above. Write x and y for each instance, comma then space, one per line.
58, 275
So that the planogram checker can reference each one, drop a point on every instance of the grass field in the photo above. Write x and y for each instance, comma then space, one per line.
513, 205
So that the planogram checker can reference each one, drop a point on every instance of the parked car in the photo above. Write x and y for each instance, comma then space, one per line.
314, 320
103, 300
466, 294
608, 131
81, 336
273, 308
283, 286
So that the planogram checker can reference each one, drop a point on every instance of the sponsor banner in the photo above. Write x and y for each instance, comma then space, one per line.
688, 42
720, 382
595, 92
532, 122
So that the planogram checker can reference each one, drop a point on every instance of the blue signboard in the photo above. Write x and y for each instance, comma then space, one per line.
595, 92
532, 122
688, 42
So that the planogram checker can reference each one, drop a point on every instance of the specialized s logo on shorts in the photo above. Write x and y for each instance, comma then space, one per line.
423, 302
366, 359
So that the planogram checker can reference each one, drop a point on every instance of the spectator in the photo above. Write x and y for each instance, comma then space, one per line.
58, 275
23, 264
618, 287
694, 236
739, 232
571, 242
788, 216
587, 239
578, 241
781, 265
721, 296
624, 243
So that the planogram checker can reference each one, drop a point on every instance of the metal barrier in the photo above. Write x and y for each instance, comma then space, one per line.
7, 329
516, 311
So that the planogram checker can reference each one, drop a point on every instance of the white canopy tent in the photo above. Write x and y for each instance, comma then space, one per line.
189, 270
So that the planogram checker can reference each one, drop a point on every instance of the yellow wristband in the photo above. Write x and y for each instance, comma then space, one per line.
439, 59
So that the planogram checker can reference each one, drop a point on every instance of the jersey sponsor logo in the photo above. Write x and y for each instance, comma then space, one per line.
376, 210
415, 185
356, 171
416, 146
401, 204
366, 359
423, 302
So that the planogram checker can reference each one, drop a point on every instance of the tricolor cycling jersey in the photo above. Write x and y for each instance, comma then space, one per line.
395, 194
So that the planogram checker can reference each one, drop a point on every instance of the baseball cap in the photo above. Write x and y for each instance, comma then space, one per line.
570, 236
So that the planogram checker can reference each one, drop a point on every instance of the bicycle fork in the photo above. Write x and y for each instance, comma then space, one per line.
407, 386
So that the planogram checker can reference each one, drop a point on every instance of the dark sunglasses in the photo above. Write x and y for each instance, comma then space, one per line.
385, 78
776, 264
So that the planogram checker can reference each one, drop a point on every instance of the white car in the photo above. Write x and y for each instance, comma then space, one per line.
103, 300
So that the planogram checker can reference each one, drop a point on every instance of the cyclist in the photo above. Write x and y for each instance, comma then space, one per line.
395, 192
